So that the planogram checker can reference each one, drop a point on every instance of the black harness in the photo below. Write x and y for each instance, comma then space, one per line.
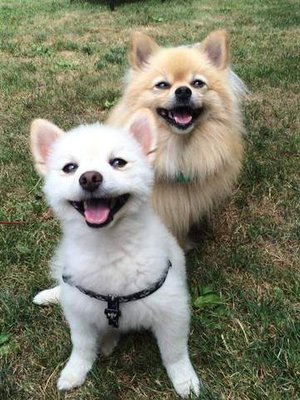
112, 311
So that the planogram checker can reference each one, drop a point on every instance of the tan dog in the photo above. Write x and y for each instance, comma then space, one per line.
195, 98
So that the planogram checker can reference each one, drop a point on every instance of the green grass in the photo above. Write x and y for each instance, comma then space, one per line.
64, 62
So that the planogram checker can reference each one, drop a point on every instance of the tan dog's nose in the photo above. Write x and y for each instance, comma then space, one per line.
90, 180
183, 94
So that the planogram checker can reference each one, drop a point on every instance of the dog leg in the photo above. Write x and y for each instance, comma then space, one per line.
109, 342
85, 343
172, 342
47, 296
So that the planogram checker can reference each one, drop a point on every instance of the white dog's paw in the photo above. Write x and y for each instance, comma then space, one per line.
70, 378
109, 342
47, 296
187, 387
184, 379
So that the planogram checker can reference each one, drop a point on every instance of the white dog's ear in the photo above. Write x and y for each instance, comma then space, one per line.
142, 127
216, 47
142, 47
43, 135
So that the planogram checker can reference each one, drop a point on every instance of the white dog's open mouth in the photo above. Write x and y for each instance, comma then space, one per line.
182, 117
99, 212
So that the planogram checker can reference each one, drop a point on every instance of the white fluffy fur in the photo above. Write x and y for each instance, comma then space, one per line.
122, 258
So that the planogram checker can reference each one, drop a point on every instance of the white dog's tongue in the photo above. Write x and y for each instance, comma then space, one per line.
182, 119
96, 211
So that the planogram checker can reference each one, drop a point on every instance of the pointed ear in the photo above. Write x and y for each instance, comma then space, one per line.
216, 47
142, 127
43, 135
142, 47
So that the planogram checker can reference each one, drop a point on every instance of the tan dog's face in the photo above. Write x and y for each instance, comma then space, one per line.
179, 84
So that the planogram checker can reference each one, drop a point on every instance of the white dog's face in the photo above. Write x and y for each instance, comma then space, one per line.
95, 174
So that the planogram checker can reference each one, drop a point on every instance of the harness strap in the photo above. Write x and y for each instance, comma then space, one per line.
112, 311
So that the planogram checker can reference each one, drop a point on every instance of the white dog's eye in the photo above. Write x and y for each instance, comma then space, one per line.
70, 167
197, 83
163, 85
118, 163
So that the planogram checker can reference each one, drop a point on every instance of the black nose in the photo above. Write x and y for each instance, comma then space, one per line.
90, 180
183, 93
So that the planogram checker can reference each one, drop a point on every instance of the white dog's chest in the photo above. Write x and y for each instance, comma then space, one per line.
117, 271
121, 273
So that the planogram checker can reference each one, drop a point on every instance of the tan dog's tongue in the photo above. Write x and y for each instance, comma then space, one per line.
96, 212
182, 119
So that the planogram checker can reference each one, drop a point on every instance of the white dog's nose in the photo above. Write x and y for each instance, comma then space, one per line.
90, 180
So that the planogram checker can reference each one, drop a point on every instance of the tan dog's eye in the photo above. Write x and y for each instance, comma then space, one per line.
198, 83
163, 85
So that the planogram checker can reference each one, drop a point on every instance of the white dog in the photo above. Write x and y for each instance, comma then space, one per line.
120, 267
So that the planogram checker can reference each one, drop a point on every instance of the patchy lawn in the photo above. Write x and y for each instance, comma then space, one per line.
64, 61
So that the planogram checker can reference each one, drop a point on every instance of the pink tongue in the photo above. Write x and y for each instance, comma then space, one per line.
182, 119
96, 213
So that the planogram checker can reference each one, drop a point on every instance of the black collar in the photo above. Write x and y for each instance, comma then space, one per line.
112, 311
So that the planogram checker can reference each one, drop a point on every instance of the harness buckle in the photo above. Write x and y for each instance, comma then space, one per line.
112, 311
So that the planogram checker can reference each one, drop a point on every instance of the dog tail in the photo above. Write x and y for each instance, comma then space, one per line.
239, 88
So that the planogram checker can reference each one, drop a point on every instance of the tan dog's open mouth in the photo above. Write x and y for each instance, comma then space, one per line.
182, 117
99, 212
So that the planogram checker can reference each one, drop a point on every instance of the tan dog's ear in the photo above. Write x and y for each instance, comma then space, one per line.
216, 47
142, 47
43, 134
142, 127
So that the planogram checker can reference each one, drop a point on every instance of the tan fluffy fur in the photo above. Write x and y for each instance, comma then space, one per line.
212, 152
